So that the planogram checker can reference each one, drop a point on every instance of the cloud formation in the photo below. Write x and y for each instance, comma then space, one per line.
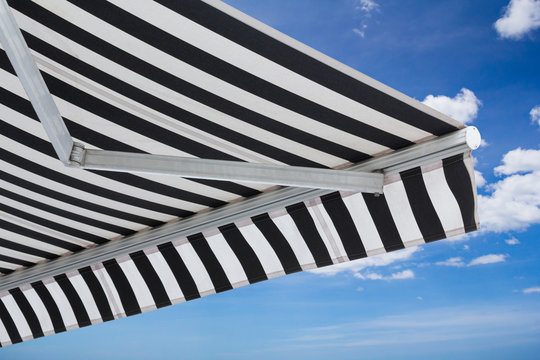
532, 290
512, 241
463, 107
402, 275
520, 18
488, 259
535, 115
514, 202
366, 6
455, 261
373, 261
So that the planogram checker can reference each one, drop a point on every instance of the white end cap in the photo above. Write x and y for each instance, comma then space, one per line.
473, 138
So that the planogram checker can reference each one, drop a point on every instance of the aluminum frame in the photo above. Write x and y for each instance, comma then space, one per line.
20, 57
456, 143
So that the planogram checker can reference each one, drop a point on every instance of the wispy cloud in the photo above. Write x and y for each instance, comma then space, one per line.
532, 290
512, 241
366, 6
402, 275
488, 259
364, 9
455, 261
442, 324
535, 115
463, 107
372, 261
520, 18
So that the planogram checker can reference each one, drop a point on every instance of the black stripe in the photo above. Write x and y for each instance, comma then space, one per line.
245, 254
28, 312
5, 271
211, 263
39, 236
344, 224
384, 222
305, 224
121, 283
12, 260
421, 205
9, 324
233, 75
100, 298
459, 180
47, 223
297, 61
166, 79
279, 243
151, 279
30, 186
74, 300
50, 305
180, 271
27, 249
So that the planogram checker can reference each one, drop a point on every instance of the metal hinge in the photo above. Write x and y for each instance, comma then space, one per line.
78, 152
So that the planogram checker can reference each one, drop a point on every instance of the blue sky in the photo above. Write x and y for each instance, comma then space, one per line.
475, 297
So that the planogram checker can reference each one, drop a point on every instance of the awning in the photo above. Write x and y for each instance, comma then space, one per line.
196, 79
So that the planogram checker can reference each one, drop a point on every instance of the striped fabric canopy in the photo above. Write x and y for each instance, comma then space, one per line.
196, 79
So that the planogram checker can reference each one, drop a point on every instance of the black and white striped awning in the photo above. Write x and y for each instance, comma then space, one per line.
198, 79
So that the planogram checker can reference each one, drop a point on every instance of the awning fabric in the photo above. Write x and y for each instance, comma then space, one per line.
198, 79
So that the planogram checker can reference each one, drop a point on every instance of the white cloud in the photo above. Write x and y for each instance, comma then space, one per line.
463, 107
520, 17
514, 202
531, 290
512, 241
419, 298
518, 161
372, 261
488, 259
402, 275
480, 181
455, 261
466, 247
535, 114
359, 32
366, 6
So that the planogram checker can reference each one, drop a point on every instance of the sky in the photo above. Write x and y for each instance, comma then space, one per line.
477, 296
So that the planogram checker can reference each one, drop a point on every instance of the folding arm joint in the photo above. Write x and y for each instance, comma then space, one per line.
78, 153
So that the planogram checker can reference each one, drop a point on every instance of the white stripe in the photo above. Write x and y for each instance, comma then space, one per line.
322, 233
401, 211
17, 316
166, 276
333, 231
364, 224
195, 76
23, 240
45, 230
259, 66
110, 291
56, 218
140, 289
443, 200
8, 265
86, 296
288, 228
40, 310
196, 267
17, 254
266, 255
87, 196
227, 259
66, 312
